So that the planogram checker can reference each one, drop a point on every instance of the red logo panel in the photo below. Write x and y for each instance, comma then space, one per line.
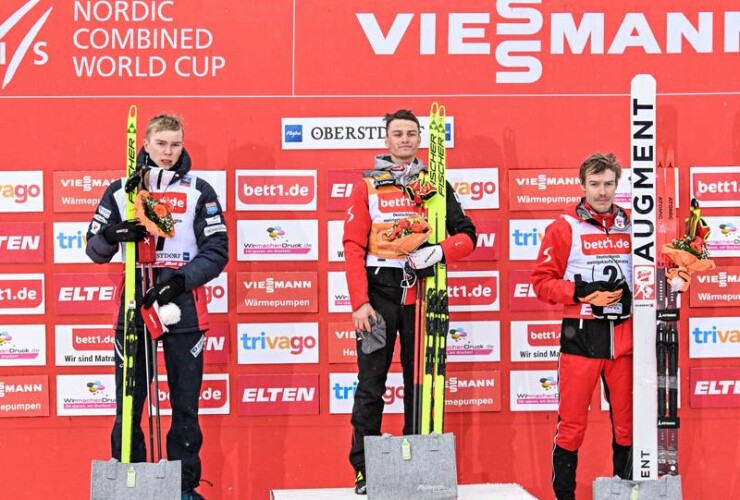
473, 292
341, 183
217, 344
473, 392
543, 335
276, 292
293, 394
24, 396
214, 394
92, 339
90, 293
549, 189
21, 292
81, 191
487, 247
22, 242
715, 387
716, 188
719, 287
522, 296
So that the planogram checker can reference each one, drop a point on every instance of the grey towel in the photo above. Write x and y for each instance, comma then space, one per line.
375, 338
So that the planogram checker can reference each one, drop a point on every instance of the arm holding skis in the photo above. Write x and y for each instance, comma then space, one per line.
462, 236
107, 230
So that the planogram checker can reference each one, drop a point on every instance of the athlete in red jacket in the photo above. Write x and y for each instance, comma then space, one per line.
377, 277
585, 264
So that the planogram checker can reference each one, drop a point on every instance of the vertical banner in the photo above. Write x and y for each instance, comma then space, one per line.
643, 151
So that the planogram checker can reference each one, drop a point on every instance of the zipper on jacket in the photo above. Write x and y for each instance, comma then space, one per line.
611, 338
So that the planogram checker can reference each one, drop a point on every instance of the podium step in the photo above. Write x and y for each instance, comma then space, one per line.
465, 492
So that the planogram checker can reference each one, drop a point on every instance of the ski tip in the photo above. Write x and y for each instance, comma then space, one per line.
434, 109
670, 157
132, 111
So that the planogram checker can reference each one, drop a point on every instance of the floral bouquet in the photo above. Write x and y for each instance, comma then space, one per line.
405, 235
154, 215
688, 253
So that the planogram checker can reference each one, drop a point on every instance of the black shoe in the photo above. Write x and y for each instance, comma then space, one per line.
360, 483
192, 495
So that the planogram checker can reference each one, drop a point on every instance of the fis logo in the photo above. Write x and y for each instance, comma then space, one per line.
11, 57
294, 133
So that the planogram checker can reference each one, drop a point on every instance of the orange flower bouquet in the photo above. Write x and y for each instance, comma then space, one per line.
154, 215
689, 253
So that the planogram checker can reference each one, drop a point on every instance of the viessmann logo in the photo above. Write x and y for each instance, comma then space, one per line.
17, 47
519, 49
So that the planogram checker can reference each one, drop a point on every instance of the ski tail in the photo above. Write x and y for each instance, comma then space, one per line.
129, 298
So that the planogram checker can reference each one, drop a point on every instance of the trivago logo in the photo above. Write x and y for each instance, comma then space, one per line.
20, 41
281, 394
21, 294
276, 190
343, 386
273, 343
22, 242
525, 237
70, 240
216, 292
21, 191
714, 337
477, 188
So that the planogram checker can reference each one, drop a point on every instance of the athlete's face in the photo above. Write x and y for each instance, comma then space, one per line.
402, 140
164, 147
599, 190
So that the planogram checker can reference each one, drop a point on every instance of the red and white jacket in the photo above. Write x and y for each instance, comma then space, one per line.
598, 247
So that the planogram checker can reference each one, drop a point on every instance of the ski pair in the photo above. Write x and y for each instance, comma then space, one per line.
432, 315
667, 316
130, 333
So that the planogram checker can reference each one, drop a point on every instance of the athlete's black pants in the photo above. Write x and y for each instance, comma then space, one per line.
386, 296
183, 354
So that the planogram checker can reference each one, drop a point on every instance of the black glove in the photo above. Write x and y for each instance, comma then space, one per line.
128, 230
164, 293
599, 293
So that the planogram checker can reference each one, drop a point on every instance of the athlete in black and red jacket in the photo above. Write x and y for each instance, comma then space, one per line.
376, 276
585, 264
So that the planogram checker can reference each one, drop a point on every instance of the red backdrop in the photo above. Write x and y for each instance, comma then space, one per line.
264, 61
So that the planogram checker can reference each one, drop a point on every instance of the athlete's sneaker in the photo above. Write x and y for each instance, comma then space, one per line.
360, 483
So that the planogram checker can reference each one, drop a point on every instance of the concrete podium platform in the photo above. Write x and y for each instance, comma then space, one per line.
465, 492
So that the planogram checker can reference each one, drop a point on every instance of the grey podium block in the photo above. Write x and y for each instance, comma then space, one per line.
414, 467
465, 492
614, 488
113, 480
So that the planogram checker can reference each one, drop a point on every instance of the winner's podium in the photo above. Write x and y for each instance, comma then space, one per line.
465, 492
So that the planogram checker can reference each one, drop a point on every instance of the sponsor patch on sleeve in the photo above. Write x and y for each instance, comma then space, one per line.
213, 220
100, 219
186, 180
209, 230
198, 347
95, 227
211, 208
103, 211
